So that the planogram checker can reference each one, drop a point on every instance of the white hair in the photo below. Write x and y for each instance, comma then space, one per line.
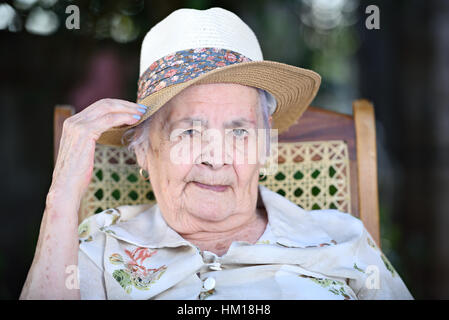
139, 136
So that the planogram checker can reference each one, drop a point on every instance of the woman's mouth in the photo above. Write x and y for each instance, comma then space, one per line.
217, 188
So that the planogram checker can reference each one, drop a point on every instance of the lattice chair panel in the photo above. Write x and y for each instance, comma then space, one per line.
314, 175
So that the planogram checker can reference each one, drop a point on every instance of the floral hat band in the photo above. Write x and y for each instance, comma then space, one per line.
183, 66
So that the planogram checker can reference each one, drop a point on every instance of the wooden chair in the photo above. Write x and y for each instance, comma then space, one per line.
326, 160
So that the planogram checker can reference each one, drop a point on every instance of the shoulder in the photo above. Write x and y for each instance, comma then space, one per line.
338, 223
289, 218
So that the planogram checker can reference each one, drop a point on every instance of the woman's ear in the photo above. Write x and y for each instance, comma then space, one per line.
141, 157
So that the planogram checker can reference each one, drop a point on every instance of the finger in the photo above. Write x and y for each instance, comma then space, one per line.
111, 120
129, 103
104, 106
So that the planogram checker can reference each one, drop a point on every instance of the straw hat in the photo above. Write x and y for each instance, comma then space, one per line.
214, 46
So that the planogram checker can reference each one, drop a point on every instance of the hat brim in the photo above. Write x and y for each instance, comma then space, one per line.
293, 88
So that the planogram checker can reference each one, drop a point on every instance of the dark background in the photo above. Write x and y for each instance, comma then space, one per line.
403, 68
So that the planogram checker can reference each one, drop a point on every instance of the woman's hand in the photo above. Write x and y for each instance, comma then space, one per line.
74, 164
57, 247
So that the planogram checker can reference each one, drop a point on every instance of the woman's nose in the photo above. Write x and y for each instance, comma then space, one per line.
212, 162
215, 159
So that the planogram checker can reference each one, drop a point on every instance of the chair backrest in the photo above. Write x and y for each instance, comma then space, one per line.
327, 160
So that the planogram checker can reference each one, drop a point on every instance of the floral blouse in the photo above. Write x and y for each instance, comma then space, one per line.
130, 252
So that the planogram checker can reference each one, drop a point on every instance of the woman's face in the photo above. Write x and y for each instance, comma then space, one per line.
203, 162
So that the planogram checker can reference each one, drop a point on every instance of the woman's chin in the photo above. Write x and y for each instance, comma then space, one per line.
209, 204
207, 209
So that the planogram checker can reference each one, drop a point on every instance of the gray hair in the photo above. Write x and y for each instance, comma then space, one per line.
138, 136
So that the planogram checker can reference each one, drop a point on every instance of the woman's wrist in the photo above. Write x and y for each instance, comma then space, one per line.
63, 198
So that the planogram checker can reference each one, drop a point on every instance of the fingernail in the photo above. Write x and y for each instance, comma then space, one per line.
142, 110
143, 106
136, 116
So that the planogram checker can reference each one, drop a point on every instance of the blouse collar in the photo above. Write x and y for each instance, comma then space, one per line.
291, 225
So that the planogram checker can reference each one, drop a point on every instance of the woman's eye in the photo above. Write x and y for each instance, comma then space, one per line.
240, 133
189, 132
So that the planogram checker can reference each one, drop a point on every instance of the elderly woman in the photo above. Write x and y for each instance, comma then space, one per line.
214, 233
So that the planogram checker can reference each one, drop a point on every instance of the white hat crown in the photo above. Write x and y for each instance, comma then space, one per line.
187, 29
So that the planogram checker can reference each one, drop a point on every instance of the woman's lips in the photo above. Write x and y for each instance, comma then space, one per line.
217, 188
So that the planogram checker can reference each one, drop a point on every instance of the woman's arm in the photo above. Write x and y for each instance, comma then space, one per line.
56, 251
56, 258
